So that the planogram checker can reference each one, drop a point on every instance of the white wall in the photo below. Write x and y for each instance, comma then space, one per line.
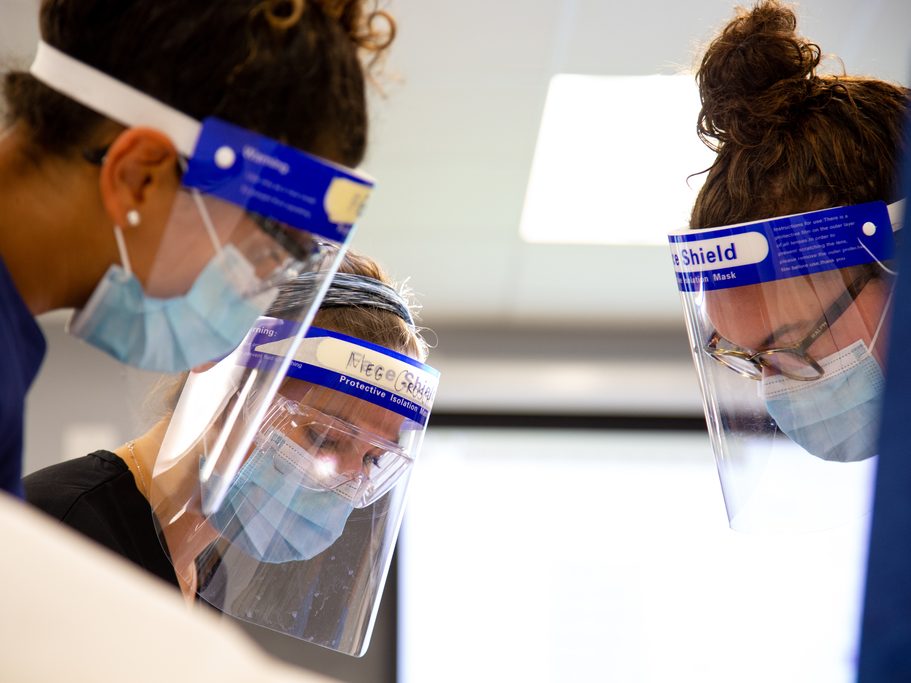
548, 556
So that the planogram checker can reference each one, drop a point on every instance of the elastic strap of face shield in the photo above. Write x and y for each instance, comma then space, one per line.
896, 214
896, 218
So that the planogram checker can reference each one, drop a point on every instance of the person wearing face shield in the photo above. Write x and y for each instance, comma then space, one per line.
298, 537
164, 189
786, 274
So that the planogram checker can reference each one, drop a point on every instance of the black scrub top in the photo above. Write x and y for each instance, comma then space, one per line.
97, 496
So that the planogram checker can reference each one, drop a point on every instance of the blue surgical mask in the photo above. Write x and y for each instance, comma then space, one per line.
835, 417
272, 516
179, 333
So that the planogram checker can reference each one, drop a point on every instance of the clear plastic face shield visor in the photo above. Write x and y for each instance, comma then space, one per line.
247, 214
788, 322
298, 536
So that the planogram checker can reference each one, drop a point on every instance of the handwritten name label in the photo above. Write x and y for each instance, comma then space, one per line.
381, 370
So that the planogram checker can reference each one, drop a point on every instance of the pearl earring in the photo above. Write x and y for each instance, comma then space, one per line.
133, 217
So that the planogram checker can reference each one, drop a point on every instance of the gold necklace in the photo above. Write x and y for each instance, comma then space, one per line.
142, 479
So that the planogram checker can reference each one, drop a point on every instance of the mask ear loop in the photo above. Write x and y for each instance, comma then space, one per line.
122, 248
882, 319
896, 215
876, 260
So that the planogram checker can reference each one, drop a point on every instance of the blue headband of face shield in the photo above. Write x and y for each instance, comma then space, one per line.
778, 248
345, 364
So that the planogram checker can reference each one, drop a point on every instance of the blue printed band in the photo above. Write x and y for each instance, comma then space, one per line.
352, 366
264, 176
780, 248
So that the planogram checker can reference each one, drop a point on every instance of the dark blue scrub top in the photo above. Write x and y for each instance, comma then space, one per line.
22, 348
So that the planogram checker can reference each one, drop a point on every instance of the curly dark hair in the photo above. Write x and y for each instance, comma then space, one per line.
788, 139
290, 69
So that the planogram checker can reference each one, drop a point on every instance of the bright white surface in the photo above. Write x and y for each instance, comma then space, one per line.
75, 612
775, 485
568, 385
605, 144
605, 556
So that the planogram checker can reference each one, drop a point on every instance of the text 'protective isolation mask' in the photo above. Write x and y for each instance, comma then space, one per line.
783, 317
298, 537
249, 214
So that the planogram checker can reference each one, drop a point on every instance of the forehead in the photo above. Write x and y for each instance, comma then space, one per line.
363, 414
748, 316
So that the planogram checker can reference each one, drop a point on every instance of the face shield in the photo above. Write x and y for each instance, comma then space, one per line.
298, 536
249, 213
788, 321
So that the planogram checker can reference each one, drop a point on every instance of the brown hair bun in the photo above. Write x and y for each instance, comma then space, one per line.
788, 139
753, 73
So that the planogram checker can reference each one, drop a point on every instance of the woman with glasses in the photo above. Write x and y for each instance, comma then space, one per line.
298, 537
785, 272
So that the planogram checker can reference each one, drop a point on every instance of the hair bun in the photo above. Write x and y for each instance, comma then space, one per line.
753, 73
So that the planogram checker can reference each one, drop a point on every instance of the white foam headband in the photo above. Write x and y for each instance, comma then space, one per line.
112, 98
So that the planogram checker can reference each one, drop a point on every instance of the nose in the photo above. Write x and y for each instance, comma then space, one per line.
768, 371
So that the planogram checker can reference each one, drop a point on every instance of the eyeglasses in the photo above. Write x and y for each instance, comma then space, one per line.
298, 245
792, 361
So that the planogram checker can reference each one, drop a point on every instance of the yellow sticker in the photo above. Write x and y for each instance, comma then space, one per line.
345, 200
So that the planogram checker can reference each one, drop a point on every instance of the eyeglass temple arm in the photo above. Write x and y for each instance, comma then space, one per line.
839, 306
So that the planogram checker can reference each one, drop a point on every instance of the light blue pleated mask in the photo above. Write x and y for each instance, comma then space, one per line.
835, 417
178, 333
272, 516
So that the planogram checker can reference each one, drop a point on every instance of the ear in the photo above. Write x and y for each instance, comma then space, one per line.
139, 173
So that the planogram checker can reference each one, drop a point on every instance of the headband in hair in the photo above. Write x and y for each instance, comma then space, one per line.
346, 290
